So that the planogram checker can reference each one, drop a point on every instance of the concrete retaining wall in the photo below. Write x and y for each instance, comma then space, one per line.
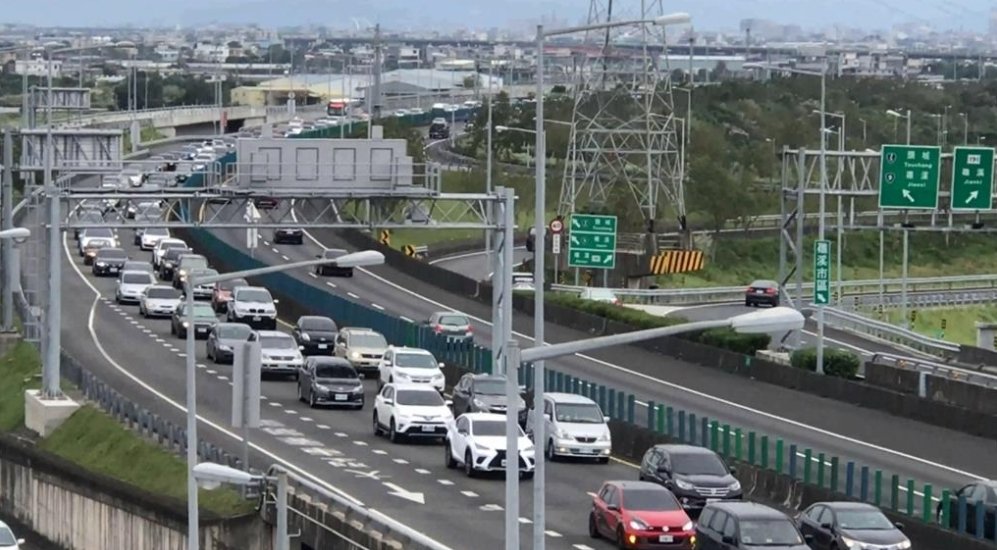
80, 510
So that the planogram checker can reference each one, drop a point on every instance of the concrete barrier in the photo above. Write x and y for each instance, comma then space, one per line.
80, 510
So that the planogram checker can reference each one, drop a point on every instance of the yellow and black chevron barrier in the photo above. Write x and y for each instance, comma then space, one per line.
385, 237
677, 261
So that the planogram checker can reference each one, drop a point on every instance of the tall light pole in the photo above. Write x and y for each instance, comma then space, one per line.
840, 234
539, 484
882, 234
965, 128
356, 259
899, 115
862, 120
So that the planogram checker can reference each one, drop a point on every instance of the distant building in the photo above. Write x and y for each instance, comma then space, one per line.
167, 54
37, 67
211, 53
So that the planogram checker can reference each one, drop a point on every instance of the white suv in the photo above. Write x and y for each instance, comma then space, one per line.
575, 427
253, 306
410, 365
279, 353
477, 441
162, 245
411, 410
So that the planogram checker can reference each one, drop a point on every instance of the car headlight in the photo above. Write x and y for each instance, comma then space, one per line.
736, 486
358, 388
562, 433
688, 526
355, 355
101, 264
683, 484
851, 544
401, 376
904, 545
305, 337
321, 387
481, 447
223, 347
479, 404
438, 376
183, 274
186, 324
604, 436
636, 523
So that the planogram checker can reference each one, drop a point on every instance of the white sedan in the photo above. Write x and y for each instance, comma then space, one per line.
131, 286
159, 301
411, 410
477, 442
7, 539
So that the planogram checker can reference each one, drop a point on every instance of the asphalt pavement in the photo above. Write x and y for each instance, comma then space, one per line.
475, 264
880, 440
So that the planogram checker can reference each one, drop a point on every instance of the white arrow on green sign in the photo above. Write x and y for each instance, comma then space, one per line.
972, 178
822, 272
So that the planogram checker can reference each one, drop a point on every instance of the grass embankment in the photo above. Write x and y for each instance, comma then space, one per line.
960, 323
100, 444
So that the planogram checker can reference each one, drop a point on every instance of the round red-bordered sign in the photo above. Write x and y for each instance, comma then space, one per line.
556, 226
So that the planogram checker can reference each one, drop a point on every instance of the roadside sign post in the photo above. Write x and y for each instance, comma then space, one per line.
909, 176
592, 241
972, 178
822, 291
556, 227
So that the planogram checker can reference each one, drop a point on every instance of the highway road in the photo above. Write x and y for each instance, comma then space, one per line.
475, 264
870, 437
408, 482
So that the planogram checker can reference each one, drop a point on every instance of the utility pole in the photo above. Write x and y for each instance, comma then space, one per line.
376, 89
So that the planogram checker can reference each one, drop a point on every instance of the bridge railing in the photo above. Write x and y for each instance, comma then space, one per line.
889, 333
925, 368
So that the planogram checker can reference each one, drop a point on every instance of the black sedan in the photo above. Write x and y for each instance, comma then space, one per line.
330, 381
201, 320
833, 525
108, 262
315, 335
289, 235
331, 269
762, 292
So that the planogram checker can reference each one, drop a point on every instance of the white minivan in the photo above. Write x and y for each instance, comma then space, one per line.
575, 427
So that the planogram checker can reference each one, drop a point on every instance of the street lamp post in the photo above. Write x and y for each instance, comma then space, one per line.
213, 474
11, 236
539, 496
356, 259
899, 115
839, 230
965, 128
882, 234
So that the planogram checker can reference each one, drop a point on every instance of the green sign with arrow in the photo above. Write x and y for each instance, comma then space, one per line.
908, 176
972, 178
592, 241
822, 272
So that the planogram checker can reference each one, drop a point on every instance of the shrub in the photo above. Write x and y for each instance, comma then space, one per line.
837, 362
734, 341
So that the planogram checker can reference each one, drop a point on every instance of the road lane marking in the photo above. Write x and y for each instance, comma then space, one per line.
359, 443
275, 404
525, 521
275, 251
377, 307
400, 461
330, 284
306, 419
352, 295
322, 427
212, 371
312, 275
469, 494
553, 534
285, 257
406, 319
379, 451
444, 482
422, 471
341, 434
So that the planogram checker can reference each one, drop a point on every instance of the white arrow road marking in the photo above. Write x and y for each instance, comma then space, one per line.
397, 491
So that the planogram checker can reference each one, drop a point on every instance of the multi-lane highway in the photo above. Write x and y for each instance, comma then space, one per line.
408, 482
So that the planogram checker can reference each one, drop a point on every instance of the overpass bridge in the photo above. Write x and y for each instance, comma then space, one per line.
190, 120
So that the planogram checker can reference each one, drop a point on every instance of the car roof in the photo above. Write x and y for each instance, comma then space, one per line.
847, 505
167, 287
474, 416
477, 377
115, 249
568, 398
315, 318
327, 360
631, 484
272, 333
134, 271
409, 386
684, 449
359, 330
406, 349
224, 324
748, 510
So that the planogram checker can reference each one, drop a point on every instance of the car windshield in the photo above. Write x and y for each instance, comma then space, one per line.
769, 532
164, 293
230, 284
579, 413
203, 310
764, 284
254, 295
136, 279
6, 537
335, 371
277, 342
98, 243
194, 262
415, 361
113, 254
368, 340
332, 254
99, 232
649, 500
419, 398
234, 332
862, 519
317, 324
157, 232
491, 427
172, 244
490, 386
454, 320
698, 464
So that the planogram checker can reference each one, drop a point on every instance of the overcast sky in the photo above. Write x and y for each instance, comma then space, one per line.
437, 14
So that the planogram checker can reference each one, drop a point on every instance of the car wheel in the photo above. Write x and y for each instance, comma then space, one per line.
526, 475
448, 460
747, 303
549, 451
311, 399
117, 299
173, 329
621, 540
603, 460
468, 464
377, 425
393, 435
593, 528
207, 351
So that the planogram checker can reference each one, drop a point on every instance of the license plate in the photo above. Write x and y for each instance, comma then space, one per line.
256, 317
202, 330
114, 269
428, 428
340, 397
323, 346
709, 500
759, 292
666, 538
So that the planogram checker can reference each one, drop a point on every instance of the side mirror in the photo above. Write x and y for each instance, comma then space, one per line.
606, 419
547, 416
448, 402
20, 542
613, 507
276, 301
301, 348
361, 375
733, 471
522, 389
729, 539
462, 432
389, 401
899, 526
827, 526
809, 539
318, 256
442, 364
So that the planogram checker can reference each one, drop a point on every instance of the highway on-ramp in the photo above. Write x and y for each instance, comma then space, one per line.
880, 440
475, 264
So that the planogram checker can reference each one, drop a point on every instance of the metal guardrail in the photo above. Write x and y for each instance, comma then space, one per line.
938, 299
889, 333
925, 368
715, 295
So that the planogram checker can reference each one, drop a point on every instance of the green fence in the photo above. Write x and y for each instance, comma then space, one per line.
811, 466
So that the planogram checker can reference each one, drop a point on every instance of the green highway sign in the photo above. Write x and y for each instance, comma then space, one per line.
592, 241
908, 176
822, 272
972, 178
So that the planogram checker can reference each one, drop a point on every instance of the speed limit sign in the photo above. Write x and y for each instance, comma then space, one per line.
556, 226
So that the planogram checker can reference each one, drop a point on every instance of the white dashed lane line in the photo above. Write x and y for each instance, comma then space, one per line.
322, 427
352, 295
275, 404
469, 494
422, 471
444, 482
379, 451
360, 443
285, 258
400, 461
212, 371
275, 251
312, 275
306, 419
377, 307
406, 319
330, 285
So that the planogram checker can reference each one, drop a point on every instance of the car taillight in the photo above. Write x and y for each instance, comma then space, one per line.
437, 328
470, 328
750, 289
769, 291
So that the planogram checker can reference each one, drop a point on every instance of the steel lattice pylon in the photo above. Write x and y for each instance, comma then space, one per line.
624, 134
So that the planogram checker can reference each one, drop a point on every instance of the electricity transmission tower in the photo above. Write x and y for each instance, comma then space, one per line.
624, 135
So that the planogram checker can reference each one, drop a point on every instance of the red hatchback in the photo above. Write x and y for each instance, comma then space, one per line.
640, 515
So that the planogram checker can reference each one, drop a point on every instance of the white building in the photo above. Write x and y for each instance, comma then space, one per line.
211, 53
168, 54
37, 67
